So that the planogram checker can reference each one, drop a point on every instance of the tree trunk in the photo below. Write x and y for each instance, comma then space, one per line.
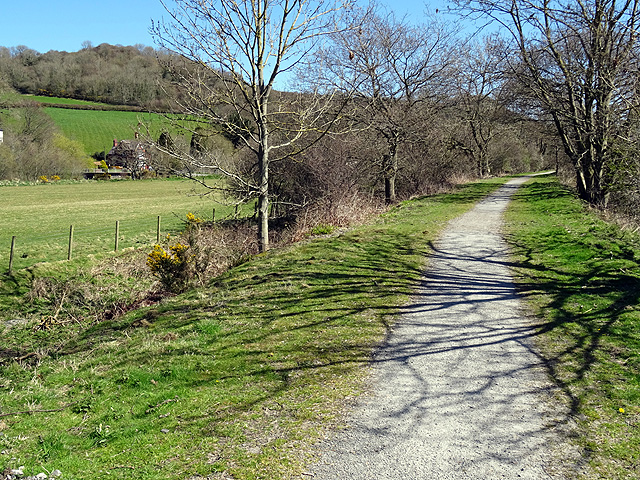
263, 197
390, 172
390, 190
486, 165
590, 180
484, 170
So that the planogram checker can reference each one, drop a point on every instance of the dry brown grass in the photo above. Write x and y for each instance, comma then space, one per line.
352, 208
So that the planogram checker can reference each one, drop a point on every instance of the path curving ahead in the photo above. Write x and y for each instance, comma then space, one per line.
457, 390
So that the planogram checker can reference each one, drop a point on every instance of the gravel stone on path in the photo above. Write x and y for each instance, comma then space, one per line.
458, 390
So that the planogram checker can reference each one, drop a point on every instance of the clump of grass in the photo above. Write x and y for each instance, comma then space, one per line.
322, 229
582, 277
233, 379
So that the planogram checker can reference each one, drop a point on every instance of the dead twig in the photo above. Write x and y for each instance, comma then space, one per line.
51, 320
28, 355
153, 407
29, 412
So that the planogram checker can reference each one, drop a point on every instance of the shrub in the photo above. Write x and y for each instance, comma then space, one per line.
218, 247
322, 229
192, 221
172, 267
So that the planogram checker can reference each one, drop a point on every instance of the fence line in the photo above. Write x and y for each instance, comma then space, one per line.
75, 232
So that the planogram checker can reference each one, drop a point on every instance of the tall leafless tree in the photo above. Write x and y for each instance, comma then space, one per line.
397, 70
578, 59
234, 51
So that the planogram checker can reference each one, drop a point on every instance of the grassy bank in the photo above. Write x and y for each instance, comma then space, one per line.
581, 276
235, 379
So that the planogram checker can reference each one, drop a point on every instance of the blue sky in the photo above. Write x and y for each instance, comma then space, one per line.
45, 25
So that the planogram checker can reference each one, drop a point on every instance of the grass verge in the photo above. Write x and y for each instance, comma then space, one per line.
231, 381
581, 276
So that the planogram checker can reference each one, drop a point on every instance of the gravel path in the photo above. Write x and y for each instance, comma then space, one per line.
458, 388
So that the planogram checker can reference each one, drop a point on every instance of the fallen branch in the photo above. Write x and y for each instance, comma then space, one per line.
152, 407
28, 355
29, 412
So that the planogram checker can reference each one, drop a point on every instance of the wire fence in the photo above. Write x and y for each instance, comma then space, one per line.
83, 240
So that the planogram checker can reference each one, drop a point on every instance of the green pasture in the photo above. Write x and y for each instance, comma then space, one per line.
40, 216
96, 129
233, 380
239, 378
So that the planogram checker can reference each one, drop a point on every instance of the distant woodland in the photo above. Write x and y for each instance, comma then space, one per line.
117, 75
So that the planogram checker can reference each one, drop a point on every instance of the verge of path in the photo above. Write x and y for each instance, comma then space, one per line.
457, 389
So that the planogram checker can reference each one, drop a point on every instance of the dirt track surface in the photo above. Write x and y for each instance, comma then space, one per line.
458, 389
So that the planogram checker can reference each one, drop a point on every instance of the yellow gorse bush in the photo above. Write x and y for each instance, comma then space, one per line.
171, 267
192, 219
175, 266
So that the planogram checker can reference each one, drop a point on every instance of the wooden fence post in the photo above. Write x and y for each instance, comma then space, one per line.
70, 252
117, 235
13, 246
71, 232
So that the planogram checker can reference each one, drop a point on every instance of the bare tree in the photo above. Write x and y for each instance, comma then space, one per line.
232, 52
578, 60
398, 72
480, 103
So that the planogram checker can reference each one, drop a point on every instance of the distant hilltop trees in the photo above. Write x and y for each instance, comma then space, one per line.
121, 75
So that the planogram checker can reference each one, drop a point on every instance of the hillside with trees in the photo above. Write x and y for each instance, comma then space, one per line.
119, 75
33, 146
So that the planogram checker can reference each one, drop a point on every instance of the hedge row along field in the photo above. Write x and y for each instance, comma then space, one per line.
72, 102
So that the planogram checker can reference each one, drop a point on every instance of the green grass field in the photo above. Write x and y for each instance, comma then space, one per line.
40, 216
95, 130
238, 379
